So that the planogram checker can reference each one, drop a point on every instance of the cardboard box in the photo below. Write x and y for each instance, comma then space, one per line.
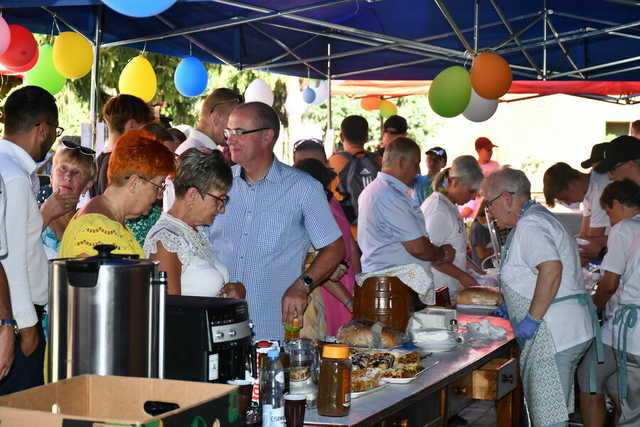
91, 401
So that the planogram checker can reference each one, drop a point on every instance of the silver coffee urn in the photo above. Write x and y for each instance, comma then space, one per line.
106, 316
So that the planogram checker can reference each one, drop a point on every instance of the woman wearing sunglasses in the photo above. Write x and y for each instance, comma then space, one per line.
73, 172
138, 166
180, 240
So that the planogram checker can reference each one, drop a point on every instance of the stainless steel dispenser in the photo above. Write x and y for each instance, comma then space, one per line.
106, 316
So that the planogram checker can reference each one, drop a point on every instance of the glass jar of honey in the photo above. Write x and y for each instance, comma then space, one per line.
334, 394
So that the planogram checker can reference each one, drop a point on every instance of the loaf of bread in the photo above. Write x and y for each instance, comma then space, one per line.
480, 295
367, 333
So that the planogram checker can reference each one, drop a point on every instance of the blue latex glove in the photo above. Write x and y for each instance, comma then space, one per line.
527, 328
501, 311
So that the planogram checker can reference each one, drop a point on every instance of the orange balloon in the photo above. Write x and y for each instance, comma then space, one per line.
490, 75
370, 103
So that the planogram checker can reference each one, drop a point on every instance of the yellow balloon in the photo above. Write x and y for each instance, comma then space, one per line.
72, 55
138, 79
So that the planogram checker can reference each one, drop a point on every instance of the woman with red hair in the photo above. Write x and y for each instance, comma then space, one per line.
138, 167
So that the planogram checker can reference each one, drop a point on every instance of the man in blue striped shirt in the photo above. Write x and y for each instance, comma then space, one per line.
274, 215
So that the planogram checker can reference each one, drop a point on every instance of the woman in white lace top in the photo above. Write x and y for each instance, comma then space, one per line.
179, 240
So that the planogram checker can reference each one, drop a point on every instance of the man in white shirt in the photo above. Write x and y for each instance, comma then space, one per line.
209, 132
569, 186
391, 228
7, 322
31, 127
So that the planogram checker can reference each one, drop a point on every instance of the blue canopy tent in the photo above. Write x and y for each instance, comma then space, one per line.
587, 40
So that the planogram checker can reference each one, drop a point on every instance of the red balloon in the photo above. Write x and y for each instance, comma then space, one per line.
22, 48
26, 67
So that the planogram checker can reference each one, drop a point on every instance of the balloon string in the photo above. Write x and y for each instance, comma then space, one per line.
144, 49
190, 51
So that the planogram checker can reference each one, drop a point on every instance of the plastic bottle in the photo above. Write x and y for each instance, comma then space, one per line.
272, 391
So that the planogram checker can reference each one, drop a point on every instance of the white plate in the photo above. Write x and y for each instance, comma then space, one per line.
357, 394
408, 380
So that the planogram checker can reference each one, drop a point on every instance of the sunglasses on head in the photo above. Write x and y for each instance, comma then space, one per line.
299, 142
238, 99
437, 152
83, 150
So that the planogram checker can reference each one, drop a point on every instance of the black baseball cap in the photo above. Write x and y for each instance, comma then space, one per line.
620, 152
439, 152
597, 155
396, 125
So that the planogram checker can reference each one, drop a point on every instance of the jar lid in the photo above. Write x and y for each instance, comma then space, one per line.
335, 351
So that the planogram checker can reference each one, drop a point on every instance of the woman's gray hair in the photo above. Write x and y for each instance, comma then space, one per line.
204, 171
506, 180
465, 168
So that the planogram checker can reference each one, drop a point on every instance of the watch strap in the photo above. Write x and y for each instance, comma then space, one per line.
10, 322
308, 281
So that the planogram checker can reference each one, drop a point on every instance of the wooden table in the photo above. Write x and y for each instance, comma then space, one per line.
430, 400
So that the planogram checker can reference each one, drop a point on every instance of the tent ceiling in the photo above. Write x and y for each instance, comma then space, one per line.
387, 39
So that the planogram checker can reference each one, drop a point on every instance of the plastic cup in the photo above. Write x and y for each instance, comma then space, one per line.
294, 406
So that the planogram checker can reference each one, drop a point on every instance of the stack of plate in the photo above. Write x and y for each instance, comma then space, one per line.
436, 340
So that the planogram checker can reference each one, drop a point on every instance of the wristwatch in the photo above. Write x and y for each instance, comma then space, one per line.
11, 322
308, 281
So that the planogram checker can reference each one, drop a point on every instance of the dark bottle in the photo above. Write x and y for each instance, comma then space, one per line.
334, 394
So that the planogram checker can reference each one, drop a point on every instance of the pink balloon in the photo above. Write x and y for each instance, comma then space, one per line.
5, 35
22, 47
29, 65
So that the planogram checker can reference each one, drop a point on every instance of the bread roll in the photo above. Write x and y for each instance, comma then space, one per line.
367, 333
480, 295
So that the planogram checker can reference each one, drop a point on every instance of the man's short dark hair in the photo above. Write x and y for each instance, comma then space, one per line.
556, 180
355, 129
396, 125
122, 108
264, 117
27, 106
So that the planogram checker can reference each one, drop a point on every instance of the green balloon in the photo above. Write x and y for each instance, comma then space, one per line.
44, 74
450, 91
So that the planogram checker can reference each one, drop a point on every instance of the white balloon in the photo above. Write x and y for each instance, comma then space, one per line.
479, 108
322, 92
258, 90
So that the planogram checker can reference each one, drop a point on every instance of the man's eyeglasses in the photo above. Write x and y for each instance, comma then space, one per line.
59, 129
73, 146
159, 187
222, 199
229, 132
299, 142
490, 202
393, 132
238, 99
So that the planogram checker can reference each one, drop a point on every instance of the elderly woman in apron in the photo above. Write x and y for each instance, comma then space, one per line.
619, 294
545, 297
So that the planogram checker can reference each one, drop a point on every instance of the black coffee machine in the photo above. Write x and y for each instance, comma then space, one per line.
206, 339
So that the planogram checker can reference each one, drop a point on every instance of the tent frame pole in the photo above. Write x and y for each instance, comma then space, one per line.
379, 37
287, 49
95, 75
516, 39
454, 25
226, 23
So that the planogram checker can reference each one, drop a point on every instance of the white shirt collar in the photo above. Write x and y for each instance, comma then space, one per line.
23, 158
203, 139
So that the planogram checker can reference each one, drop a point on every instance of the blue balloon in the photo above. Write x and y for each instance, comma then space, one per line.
190, 77
139, 8
309, 95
